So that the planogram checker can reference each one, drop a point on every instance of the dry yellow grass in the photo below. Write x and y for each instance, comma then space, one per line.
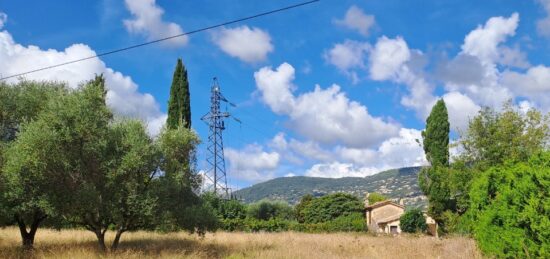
82, 244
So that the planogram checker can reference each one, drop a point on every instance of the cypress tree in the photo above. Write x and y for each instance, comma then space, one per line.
179, 106
434, 180
436, 135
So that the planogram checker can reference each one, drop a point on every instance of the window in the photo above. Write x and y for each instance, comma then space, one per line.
393, 229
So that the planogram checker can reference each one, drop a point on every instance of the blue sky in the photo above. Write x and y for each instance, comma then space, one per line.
332, 89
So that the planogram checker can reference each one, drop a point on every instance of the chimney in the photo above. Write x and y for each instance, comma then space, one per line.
401, 202
367, 199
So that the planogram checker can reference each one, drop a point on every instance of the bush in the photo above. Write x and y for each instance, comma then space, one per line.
266, 210
232, 209
299, 208
509, 209
271, 225
376, 197
413, 221
330, 207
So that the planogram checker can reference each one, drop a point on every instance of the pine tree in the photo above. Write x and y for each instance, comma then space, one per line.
179, 107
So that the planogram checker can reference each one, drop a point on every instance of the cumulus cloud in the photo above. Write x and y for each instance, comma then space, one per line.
292, 149
252, 163
461, 109
3, 19
356, 19
348, 57
391, 59
339, 170
483, 50
395, 152
533, 84
543, 25
250, 45
484, 40
147, 21
123, 95
399, 151
324, 115
388, 58
344, 161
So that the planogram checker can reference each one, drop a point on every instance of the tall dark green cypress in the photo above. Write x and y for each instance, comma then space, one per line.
436, 135
434, 180
179, 106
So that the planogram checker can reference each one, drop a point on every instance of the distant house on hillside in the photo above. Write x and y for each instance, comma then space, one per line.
383, 217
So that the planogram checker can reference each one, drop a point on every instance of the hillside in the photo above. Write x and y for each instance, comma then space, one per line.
396, 183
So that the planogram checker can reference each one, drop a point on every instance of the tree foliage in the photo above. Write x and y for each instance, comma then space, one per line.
413, 221
510, 208
436, 136
266, 209
299, 208
329, 207
74, 162
179, 106
433, 179
510, 135
375, 197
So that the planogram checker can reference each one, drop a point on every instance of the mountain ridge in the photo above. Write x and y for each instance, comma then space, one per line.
395, 184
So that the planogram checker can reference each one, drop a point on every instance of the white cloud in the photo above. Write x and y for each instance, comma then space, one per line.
395, 152
147, 21
293, 148
324, 115
356, 19
484, 40
276, 87
534, 84
339, 170
391, 59
543, 25
342, 161
3, 19
252, 163
388, 58
513, 57
461, 109
481, 52
250, 45
348, 56
123, 95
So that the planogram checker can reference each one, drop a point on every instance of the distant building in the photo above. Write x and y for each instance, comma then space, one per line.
383, 217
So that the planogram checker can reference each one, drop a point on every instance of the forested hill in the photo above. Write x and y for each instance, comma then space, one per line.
396, 183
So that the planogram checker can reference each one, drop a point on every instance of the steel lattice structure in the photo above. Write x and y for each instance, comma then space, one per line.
215, 176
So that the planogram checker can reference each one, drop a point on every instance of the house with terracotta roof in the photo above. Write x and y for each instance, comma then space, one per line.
384, 217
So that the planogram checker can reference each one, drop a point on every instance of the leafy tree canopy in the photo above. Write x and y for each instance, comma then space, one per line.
509, 210
331, 206
376, 197
413, 221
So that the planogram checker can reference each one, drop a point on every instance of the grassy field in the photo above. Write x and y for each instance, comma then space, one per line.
82, 244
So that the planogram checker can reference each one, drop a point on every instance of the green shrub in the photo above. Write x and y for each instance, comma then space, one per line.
376, 197
299, 208
413, 221
231, 225
510, 208
271, 225
266, 210
330, 207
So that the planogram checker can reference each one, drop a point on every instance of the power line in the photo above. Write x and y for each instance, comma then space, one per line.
164, 39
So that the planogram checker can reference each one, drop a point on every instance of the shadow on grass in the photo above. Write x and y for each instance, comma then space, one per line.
137, 247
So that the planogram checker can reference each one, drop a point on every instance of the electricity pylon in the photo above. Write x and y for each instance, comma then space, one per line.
215, 176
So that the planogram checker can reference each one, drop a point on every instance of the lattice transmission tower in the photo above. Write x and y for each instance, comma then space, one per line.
215, 176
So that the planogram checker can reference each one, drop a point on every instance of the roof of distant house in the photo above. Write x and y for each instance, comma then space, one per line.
383, 203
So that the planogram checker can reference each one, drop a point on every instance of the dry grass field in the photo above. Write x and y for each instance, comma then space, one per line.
81, 244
